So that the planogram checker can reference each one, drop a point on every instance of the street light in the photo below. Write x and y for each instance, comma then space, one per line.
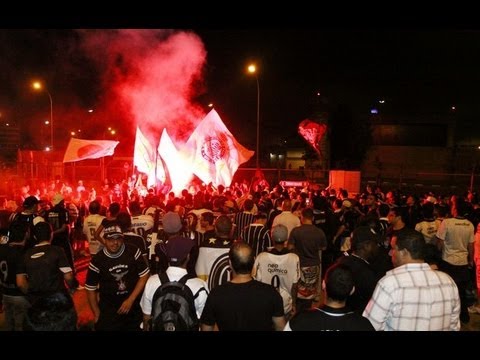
37, 85
252, 69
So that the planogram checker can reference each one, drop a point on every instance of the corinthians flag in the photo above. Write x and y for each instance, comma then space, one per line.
215, 153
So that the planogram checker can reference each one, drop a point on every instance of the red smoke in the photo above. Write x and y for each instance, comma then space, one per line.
149, 78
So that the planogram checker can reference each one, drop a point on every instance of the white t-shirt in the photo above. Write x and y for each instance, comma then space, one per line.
174, 274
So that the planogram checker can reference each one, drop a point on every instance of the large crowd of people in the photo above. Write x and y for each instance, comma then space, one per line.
258, 257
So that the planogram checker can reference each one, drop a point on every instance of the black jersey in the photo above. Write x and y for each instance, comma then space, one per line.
116, 274
45, 266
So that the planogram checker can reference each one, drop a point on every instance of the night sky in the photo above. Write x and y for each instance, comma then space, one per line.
416, 72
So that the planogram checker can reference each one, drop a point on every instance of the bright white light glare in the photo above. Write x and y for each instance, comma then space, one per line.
381, 101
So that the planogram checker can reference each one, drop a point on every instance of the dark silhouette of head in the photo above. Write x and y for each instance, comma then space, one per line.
223, 226
42, 231
338, 282
94, 207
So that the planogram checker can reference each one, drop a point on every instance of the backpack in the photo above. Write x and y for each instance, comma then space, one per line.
285, 294
173, 306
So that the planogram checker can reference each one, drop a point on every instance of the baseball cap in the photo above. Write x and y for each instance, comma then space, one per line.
57, 198
279, 233
171, 222
113, 232
178, 248
30, 201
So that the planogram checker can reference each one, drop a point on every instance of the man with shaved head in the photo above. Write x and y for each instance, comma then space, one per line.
243, 303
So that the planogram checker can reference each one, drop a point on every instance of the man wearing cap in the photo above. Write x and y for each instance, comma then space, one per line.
29, 216
59, 219
172, 227
364, 249
177, 250
119, 272
281, 263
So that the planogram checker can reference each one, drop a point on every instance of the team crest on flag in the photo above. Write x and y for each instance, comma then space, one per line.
214, 149
214, 153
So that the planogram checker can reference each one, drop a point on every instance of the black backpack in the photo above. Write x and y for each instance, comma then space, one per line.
173, 306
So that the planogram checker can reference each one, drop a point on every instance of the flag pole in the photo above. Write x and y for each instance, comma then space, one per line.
156, 160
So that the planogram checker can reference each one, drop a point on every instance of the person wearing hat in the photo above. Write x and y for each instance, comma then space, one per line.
59, 218
281, 263
119, 273
178, 250
363, 251
172, 227
28, 215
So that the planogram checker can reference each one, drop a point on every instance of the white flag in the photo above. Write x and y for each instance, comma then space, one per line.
146, 159
216, 154
79, 149
179, 169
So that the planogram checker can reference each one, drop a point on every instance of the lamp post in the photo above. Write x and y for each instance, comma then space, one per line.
37, 85
252, 69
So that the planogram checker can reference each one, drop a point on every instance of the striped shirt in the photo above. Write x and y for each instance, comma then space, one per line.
414, 297
257, 236
242, 220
